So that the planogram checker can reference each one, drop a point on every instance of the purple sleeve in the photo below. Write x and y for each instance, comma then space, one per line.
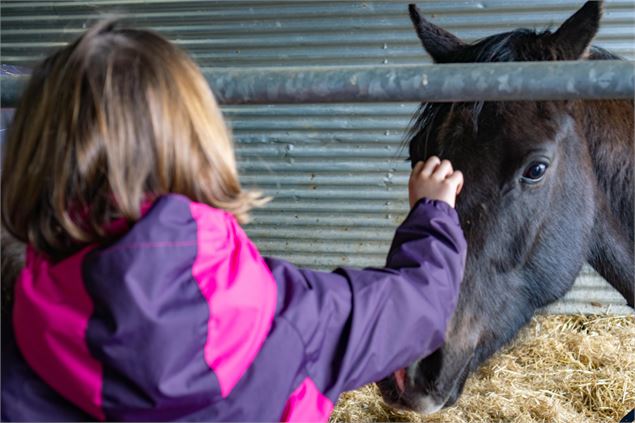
359, 326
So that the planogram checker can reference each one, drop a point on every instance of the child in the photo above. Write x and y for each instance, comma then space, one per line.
143, 299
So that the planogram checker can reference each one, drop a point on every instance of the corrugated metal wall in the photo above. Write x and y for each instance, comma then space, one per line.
337, 172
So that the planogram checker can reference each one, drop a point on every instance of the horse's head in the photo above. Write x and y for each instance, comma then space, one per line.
527, 208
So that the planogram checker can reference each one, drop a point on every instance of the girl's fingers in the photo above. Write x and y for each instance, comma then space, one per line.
443, 171
418, 167
430, 165
456, 178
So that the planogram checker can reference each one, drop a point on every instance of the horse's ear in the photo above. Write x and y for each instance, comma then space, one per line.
438, 42
576, 33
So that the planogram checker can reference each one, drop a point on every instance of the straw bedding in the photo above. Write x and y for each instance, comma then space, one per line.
559, 369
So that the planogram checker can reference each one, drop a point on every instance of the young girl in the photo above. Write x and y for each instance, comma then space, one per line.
142, 298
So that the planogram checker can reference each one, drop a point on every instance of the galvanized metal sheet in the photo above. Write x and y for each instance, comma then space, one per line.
243, 33
337, 172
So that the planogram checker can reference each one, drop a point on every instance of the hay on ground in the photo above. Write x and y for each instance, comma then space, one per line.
559, 369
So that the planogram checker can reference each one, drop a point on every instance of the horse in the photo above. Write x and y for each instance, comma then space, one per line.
549, 185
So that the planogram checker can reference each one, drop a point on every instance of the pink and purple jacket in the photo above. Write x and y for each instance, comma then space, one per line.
182, 319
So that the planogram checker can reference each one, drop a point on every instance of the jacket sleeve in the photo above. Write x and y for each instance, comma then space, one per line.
359, 326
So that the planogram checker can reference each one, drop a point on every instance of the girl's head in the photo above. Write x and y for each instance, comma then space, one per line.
114, 119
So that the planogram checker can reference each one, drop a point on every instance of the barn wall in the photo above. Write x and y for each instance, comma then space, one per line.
337, 172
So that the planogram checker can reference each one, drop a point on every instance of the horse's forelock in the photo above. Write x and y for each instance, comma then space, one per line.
431, 117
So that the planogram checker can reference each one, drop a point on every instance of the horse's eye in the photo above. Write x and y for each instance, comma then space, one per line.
535, 172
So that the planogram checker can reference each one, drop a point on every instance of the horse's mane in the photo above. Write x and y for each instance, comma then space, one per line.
521, 45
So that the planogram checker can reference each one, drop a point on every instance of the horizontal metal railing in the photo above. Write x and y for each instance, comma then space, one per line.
561, 80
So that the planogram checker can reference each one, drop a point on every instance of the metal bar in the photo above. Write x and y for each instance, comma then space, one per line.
442, 83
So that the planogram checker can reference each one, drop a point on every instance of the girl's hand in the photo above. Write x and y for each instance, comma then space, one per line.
436, 180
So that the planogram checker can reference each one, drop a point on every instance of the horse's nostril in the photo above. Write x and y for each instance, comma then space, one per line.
427, 371
393, 393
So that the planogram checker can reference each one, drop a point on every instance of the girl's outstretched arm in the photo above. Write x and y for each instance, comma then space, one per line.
359, 326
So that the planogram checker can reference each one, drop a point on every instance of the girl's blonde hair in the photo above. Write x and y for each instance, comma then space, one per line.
117, 118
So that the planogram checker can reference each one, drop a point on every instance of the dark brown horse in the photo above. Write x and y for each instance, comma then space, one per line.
549, 185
